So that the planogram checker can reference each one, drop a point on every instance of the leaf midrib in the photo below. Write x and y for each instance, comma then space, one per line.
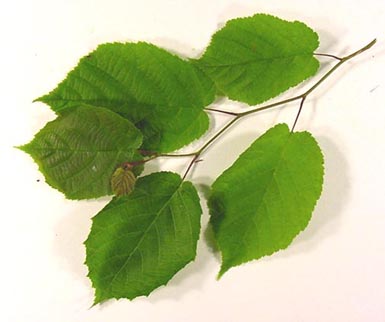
274, 171
81, 150
267, 186
256, 60
145, 232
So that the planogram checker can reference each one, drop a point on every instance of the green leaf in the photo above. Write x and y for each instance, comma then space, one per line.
267, 196
138, 242
158, 91
179, 131
79, 151
123, 180
256, 58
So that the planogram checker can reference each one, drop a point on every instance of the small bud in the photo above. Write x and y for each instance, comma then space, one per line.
123, 180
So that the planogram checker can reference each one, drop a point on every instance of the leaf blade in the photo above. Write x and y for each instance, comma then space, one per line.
151, 234
256, 58
79, 151
282, 174
142, 83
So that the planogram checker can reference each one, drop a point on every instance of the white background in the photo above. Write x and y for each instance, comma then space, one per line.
333, 271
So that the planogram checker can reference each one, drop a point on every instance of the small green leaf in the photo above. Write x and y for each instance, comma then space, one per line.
158, 91
79, 151
123, 180
256, 58
267, 196
138, 242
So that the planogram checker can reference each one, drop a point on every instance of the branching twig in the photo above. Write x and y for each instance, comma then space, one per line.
238, 115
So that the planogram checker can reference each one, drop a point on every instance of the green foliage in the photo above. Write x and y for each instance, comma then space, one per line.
79, 151
126, 104
138, 242
266, 197
256, 58
161, 93
123, 180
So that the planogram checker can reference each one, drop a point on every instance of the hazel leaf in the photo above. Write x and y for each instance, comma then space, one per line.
161, 93
79, 151
140, 241
267, 196
256, 58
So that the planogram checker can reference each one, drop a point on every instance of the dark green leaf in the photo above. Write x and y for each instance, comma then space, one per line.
256, 58
138, 242
179, 131
160, 92
267, 196
79, 151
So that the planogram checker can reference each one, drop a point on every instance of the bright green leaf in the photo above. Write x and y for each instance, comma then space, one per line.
138, 242
256, 58
267, 196
158, 91
79, 151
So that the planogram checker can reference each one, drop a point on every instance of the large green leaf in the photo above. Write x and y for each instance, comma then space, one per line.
160, 92
138, 242
267, 196
79, 151
256, 58
178, 130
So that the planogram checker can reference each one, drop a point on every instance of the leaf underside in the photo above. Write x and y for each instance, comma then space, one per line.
256, 58
79, 151
161, 93
138, 242
267, 196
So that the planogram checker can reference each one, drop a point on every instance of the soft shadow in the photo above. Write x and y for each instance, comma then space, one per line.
204, 187
208, 235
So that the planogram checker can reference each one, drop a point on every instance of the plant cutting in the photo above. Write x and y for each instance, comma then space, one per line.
126, 104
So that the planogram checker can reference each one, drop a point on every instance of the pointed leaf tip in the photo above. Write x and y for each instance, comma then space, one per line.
78, 151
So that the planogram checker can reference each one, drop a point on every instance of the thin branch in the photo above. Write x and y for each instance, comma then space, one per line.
208, 143
359, 51
194, 159
238, 116
299, 113
302, 97
259, 109
219, 133
220, 111
328, 55
181, 155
